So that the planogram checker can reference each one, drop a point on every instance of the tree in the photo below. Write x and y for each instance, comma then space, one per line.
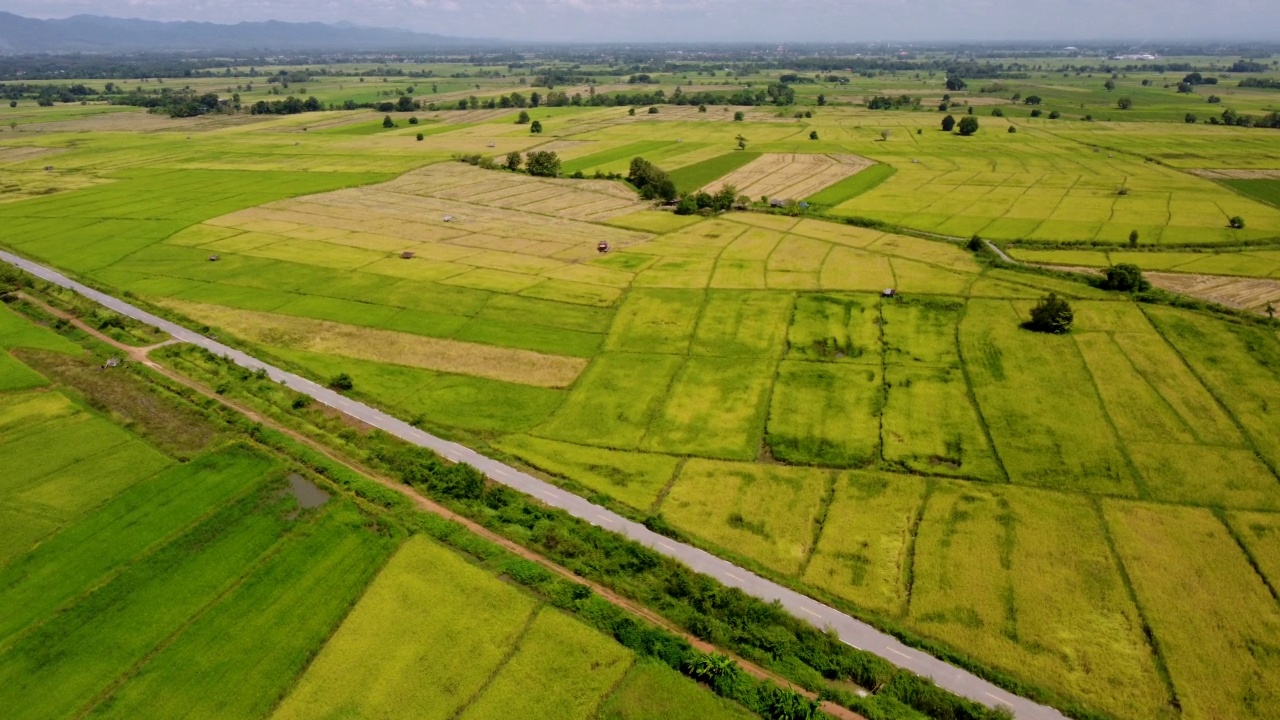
1012, 129
1125, 277
742, 142
523, 119
948, 123
1185, 88
974, 244
536, 127
1032, 100
1109, 85
1214, 100
955, 82
1189, 118
687, 206
1133, 238
1054, 114
702, 108
1236, 222
404, 104
652, 181
739, 116
1051, 314
543, 163
342, 382
653, 109
968, 125
1124, 103
420, 136
387, 122
813, 134
822, 100
534, 99
514, 161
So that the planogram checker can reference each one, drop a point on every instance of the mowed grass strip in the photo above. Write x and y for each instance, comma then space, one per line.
715, 408
561, 671
652, 690
826, 414
614, 401
763, 512
630, 477
1041, 406
991, 577
861, 555
384, 346
84, 648
1216, 624
247, 650
423, 639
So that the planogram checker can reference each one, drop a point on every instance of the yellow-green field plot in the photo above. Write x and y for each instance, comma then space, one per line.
789, 175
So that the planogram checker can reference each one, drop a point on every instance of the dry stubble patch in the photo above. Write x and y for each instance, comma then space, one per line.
385, 346
790, 175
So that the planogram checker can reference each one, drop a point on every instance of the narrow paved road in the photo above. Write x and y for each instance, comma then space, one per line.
852, 632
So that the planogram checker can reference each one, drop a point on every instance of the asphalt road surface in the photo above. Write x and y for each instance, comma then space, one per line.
852, 632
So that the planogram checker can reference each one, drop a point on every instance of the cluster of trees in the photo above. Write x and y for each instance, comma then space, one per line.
720, 202
1249, 66
1268, 83
289, 106
46, 95
968, 125
652, 181
539, 163
884, 102
1231, 117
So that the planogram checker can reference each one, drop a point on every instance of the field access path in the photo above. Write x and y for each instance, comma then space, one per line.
851, 631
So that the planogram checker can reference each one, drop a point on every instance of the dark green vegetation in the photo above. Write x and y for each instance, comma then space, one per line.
1268, 191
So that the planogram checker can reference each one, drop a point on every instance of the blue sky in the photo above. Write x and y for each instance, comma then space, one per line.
730, 20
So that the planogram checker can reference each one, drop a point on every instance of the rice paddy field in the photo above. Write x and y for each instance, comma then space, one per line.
228, 585
1095, 513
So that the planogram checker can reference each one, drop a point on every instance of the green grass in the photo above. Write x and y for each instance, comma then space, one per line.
1039, 401
743, 324
1216, 623
561, 669
19, 332
16, 376
1268, 191
655, 321
652, 690
247, 650
605, 157
715, 408
96, 638
861, 555
632, 478
930, 425
423, 639
1239, 364
1260, 533
763, 512
614, 401
835, 327
826, 414
692, 177
87, 551
990, 576
852, 186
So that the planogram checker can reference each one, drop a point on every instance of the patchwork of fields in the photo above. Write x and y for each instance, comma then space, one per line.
1057, 508
141, 586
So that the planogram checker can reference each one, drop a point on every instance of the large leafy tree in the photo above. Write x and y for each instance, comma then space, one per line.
1051, 315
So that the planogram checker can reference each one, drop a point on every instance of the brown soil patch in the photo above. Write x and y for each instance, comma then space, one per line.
1237, 174
386, 346
790, 175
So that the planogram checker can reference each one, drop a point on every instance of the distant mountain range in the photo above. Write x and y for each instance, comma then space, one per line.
97, 34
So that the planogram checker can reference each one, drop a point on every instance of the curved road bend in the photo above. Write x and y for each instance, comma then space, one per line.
852, 632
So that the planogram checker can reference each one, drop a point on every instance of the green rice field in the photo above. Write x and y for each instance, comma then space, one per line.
1093, 514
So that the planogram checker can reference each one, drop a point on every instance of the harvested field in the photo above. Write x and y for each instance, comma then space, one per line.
386, 346
1237, 174
1244, 293
790, 175
21, 154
